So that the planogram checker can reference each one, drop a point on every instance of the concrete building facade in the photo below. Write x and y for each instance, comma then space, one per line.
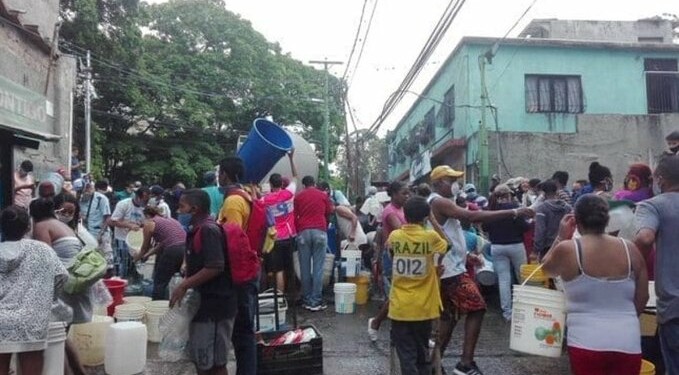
36, 91
553, 104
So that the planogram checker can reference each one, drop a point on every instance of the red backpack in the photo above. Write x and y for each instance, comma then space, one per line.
260, 223
243, 261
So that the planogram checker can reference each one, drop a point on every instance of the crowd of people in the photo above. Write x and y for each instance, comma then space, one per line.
422, 243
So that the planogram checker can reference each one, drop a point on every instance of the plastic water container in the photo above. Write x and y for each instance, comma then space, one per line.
351, 262
531, 274
54, 354
90, 339
145, 269
174, 282
538, 321
131, 312
267, 318
647, 368
266, 144
485, 275
155, 310
345, 298
125, 348
362, 287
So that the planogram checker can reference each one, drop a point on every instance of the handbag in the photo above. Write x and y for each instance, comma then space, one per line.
88, 267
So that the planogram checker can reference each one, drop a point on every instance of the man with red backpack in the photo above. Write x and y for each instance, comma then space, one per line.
208, 273
237, 209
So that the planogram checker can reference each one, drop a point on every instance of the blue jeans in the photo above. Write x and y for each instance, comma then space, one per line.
311, 245
122, 259
669, 345
504, 258
243, 338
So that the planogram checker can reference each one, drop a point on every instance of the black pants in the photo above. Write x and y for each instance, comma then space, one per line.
168, 262
411, 340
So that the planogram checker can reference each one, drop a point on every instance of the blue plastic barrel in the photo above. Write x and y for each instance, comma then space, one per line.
265, 145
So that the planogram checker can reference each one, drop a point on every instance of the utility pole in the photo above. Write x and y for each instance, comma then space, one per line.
483, 132
326, 121
88, 114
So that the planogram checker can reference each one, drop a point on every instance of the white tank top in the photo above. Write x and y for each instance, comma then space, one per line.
456, 258
601, 312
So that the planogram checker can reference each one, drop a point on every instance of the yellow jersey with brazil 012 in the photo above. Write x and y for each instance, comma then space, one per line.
415, 292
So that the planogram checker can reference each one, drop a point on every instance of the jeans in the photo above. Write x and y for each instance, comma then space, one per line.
311, 245
504, 258
122, 259
669, 344
243, 339
411, 340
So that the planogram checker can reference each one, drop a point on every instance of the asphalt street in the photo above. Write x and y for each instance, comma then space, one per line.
347, 350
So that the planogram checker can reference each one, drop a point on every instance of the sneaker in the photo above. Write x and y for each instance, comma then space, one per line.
372, 333
320, 307
432, 344
472, 369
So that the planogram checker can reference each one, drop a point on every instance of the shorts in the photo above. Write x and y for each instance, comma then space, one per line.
591, 362
209, 343
280, 257
460, 294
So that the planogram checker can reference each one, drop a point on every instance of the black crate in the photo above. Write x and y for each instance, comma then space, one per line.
290, 359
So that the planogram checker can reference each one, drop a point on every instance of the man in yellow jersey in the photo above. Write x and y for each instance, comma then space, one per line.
236, 209
415, 299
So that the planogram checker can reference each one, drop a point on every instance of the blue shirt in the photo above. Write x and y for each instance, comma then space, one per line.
93, 215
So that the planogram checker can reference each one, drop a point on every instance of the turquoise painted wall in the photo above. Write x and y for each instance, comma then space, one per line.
613, 82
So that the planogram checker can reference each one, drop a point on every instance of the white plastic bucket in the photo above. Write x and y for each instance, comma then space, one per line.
125, 348
130, 312
54, 354
351, 262
485, 275
90, 338
538, 321
155, 310
145, 269
345, 298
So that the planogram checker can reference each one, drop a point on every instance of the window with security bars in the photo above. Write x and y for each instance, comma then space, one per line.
448, 107
428, 128
553, 94
662, 85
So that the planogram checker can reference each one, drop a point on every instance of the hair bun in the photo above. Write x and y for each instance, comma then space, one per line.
594, 166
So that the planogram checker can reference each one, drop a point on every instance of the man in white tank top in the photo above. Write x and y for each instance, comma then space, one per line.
459, 291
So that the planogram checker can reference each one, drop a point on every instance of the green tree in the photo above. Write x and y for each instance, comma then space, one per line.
187, 87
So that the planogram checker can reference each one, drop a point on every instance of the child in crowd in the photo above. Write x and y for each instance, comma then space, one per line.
415, 300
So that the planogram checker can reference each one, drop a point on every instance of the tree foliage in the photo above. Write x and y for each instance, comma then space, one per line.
369, 160
178, 82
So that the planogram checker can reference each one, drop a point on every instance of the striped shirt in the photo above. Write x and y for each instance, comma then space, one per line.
168, 232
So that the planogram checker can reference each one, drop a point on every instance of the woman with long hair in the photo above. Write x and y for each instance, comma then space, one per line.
606, 287
63, 240
507, 249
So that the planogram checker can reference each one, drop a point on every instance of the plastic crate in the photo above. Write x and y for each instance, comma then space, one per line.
290, 359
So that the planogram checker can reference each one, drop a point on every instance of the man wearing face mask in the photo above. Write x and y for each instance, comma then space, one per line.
459, 292
672, 140
128, 215
657, 220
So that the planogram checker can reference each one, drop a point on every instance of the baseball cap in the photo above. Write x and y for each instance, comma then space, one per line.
444, 171
468, 188
157, 190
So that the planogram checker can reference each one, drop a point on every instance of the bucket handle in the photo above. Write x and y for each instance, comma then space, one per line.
538, 268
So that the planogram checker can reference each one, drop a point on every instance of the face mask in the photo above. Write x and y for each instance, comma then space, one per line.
675, 149
185, 219
455, 189
64, 218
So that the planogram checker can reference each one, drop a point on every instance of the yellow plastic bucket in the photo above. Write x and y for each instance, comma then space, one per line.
538, 277
362, 282
647, 368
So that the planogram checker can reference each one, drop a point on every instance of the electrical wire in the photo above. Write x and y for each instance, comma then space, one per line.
365, 40
449, 14
353, 47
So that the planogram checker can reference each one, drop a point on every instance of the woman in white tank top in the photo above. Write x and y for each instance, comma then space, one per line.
606, 287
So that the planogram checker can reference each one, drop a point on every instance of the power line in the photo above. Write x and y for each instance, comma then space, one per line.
360, 54
432, 42
353, 47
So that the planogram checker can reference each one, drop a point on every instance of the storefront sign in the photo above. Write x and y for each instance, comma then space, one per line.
23, 109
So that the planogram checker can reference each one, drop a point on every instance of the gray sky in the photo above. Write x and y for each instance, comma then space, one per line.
316, 29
